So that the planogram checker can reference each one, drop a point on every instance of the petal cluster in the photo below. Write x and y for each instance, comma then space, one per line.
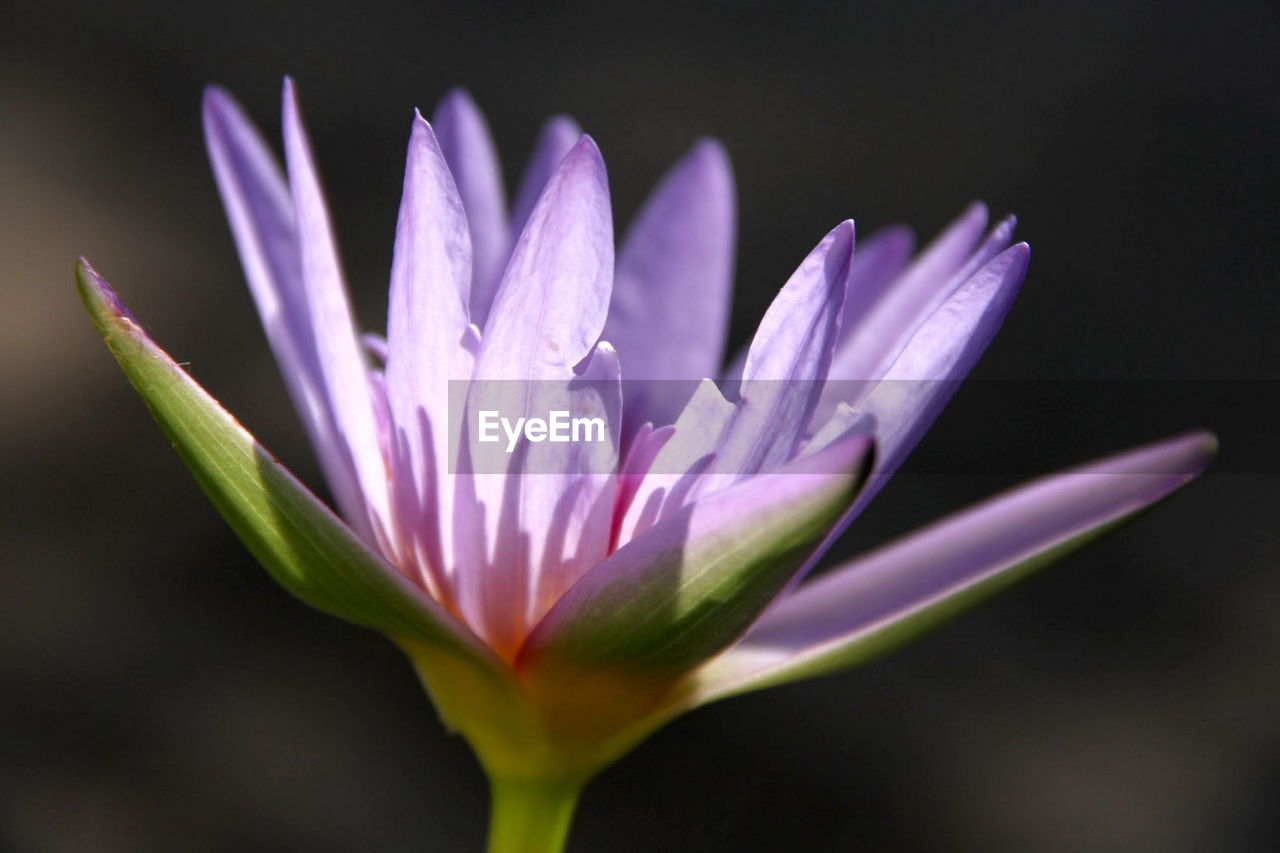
675, 548
849, 365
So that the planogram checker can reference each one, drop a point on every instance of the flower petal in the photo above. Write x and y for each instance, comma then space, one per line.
556, 139
260, 210
693, 582
717, 443
876, 265
341, 358
911, 586
940, 354
299, 541
468, 147
550, 308
430, 342
906, 402
875, 337
671, 294
545, 320
788, 361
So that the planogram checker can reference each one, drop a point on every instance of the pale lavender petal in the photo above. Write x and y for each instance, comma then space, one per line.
550, 308
570, 511
904, 588
926, 374
546, 318
672, 290
689, 585
940, 354
557, 138
260, 210
877, 335
463, 136
788, 361
876, 265
679, 463
430, 342
844, 419
343, 367
645, 447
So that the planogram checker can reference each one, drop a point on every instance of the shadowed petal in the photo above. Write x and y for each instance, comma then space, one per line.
910, 586
672, 290
545, 320
464, 137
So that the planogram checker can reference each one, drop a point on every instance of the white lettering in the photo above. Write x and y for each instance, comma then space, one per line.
587, 424
513, 434
559, 427
488, 425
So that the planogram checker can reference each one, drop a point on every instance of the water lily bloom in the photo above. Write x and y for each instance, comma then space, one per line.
562, 595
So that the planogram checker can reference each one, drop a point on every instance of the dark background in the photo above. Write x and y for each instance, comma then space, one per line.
159, 693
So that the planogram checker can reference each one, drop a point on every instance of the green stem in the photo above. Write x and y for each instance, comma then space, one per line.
531, 815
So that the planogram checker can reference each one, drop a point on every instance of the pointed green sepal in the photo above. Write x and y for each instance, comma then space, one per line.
303, 545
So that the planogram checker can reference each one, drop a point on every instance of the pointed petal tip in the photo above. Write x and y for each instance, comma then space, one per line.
840, 242
1190, 453
584, 153
96, 291
585, 143
419, 127
219, 108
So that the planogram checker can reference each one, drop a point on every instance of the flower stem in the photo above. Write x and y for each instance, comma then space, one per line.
531, 815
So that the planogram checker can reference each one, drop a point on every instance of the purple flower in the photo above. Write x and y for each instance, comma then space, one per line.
565, 604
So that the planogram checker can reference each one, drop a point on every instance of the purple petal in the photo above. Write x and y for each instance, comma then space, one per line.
672, 290
940, 354
550, 308
546, 318
876, 336
343, 368
943, 351
557, 138
788, 361
876, 264
689, 585
468, 147
551, 508
909, 586
678, 467
430, 342
260, 210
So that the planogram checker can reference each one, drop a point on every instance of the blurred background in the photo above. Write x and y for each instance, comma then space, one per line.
159, 693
